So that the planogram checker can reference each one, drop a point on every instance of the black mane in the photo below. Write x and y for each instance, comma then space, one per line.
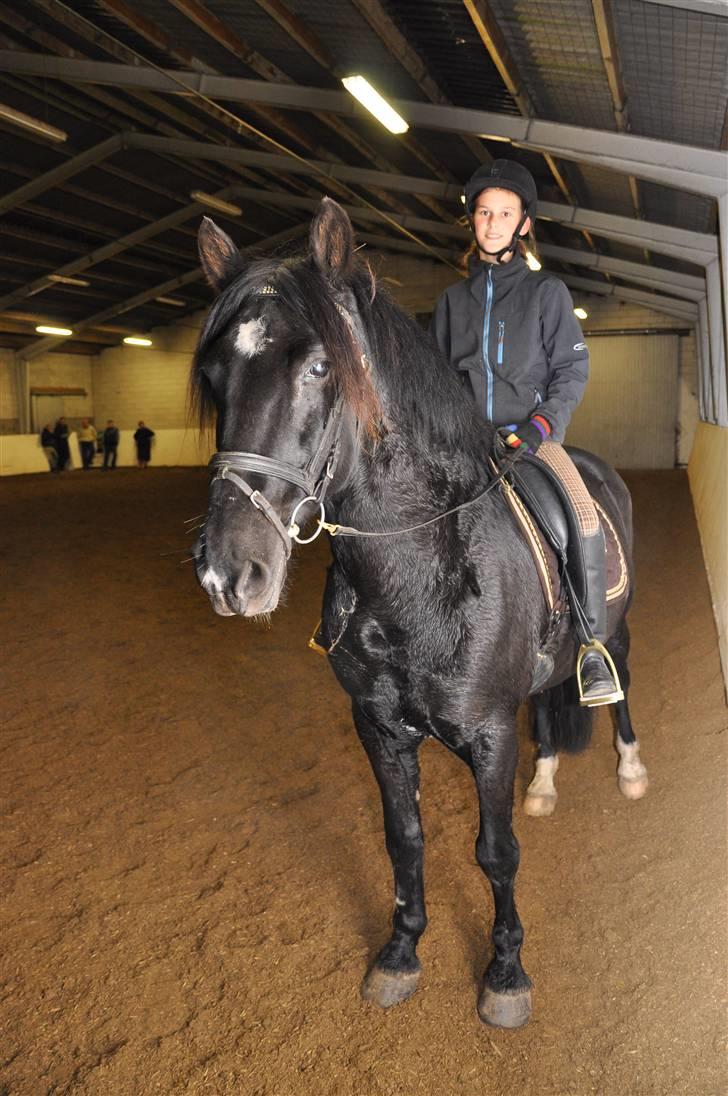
415, 391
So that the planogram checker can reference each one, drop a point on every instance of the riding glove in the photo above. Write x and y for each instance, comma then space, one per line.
527, 435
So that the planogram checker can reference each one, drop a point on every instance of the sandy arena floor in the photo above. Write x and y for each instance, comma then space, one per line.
194, 873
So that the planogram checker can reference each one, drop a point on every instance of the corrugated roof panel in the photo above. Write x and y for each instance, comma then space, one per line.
443, 35
676, 207
555, 46
608, 190
255, 26
675, 71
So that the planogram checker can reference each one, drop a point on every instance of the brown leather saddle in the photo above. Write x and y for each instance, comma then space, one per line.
545, 517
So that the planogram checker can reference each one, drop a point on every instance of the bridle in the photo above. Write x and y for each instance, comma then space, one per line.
316, 475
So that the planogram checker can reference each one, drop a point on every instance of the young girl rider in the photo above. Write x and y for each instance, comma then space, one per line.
514, 334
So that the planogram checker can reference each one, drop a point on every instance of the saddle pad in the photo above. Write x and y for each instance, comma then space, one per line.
547, 563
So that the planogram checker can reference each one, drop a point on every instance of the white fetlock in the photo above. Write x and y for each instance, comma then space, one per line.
631, 773
541, 794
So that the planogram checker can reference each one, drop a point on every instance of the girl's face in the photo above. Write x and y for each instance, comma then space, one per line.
495, 219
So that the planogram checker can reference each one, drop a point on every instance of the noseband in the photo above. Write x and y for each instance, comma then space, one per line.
313, 479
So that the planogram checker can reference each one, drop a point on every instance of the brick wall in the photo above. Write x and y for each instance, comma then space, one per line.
48, 371
133, 383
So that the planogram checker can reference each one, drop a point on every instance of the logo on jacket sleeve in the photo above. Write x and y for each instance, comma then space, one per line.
580, 346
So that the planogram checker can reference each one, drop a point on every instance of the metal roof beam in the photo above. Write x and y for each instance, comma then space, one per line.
706, 7
492, 37
687, 167
604, 22
108, 251
684, 309
59, 174
42, 346
410, 60
694, 247
684, 285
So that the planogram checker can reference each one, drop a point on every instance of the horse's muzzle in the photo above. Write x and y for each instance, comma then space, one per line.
250, 588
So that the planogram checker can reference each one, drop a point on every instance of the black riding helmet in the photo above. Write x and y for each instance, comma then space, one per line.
506, 175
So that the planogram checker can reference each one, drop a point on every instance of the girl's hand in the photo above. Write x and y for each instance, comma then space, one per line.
527, 435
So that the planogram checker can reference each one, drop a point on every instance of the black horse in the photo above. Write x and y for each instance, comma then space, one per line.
321, 386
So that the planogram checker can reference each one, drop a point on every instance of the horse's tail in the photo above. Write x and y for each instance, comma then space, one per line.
571, 724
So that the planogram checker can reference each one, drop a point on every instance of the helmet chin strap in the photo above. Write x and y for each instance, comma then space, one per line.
498, 255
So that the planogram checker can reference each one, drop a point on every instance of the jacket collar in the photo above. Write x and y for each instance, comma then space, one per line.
501, 273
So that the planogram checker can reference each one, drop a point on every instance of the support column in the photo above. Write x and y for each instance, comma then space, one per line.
22, 388
717, 332
705, 391
723, 250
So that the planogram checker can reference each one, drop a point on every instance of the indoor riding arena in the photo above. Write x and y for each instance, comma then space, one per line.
195, 877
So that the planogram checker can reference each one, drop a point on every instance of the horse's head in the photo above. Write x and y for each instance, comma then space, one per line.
281, 367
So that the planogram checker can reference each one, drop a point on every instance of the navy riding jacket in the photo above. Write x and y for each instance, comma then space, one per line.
512, 331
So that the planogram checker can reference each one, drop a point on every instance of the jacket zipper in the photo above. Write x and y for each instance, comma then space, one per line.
486, 359
501, 336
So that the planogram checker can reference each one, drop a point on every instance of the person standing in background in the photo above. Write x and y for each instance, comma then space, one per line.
87, 441
64, 453
143, 438
48, 441
111, 444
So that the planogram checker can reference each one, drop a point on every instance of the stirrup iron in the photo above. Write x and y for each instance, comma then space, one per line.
617, 693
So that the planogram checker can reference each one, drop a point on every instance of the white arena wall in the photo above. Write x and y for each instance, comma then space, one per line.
708, 475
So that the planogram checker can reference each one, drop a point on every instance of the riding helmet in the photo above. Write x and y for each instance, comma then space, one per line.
506, 175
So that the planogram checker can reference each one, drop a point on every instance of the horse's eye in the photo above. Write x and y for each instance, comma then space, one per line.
318, 370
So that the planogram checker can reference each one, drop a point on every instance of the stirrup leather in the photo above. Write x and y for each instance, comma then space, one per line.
610, 698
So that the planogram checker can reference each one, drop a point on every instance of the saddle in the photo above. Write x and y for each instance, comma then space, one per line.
545, 514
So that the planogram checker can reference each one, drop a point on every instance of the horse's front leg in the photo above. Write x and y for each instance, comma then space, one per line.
505, 1000
393, 757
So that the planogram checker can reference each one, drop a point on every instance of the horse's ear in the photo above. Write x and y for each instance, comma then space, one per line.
332, 240
219, 257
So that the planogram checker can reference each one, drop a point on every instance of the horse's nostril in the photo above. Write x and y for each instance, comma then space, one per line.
253, 579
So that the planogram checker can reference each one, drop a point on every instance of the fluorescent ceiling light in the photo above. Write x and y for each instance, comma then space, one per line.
9, 114
171, 300
137, 340
581, 313
532, 262
63, 280
216, 203
46, 329
362, 90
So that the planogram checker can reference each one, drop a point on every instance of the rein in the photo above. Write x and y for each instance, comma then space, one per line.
336, 530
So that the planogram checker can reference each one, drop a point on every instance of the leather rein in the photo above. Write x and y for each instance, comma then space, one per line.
318, 472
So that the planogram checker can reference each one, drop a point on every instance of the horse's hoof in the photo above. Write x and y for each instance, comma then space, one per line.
386, 988
633, 789
505, 1010
539, 806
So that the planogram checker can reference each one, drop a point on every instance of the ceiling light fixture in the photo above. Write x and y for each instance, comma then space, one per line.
137, 340
171, 300
47, 329
362, 90
581, 313
216, 203
9, 114
532, 262
61, 279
